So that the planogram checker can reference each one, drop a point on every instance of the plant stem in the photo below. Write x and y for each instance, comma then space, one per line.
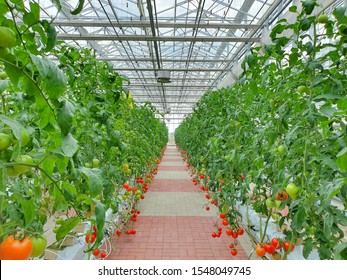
2, 191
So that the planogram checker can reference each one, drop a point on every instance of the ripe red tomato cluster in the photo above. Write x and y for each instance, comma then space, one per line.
273, 248
97, 253
131, 231
218, 233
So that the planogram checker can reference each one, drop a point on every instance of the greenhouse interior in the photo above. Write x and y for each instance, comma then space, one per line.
173, 130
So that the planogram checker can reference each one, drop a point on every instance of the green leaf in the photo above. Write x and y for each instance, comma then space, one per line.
299, 218
29, 212
60, 204
94, 178
29, 19
342, 160
67, 226
3, 8
13, 73
62, 164
35, 10
48, 165
100, 215
65, 116
57, 4
327, 97
308, 247
341, 252
305, 24
51, 35
327, 110
55, 81
15, 126
293, 9
278, 29
79, 8
328, 223
3, 85
308, 6
339, 13
69, 145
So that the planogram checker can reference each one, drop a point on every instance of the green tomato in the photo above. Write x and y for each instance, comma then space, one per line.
292, 190
10, 171
270, 203
39, 245
7, 37
95, 163
138, 192
4, 52
25, 137
24, 159
3, 76
5, 141
323, 18
302, 89
280, 149
138, 196
59, 220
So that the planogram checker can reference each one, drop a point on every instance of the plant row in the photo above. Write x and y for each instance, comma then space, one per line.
70, 135
275, 141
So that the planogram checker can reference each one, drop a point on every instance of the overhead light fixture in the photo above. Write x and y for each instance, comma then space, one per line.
163, 77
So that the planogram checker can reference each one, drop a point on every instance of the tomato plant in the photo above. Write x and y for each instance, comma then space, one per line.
70, 132
282, 122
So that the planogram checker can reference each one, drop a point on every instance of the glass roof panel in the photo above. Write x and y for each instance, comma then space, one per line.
198, 41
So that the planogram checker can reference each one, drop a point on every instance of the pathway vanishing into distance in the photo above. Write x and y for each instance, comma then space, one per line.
174, 223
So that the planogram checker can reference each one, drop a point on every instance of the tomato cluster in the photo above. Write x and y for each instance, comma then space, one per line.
22, 248
277, 248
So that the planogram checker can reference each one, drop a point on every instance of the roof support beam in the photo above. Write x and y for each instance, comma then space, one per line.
175, 70
168, 86
142, 59
146, 24
138, 38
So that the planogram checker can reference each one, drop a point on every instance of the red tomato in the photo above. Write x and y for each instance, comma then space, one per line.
96, 252
260, 251
269, 248
222, 216
13, 249
225, 222
233, 252
229, 232
240, 231
90, 238
235, 235
286, 246
275, 243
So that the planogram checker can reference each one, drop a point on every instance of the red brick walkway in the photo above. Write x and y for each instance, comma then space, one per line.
175, 225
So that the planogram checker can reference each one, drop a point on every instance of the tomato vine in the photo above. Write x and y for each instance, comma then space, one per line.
283, 122
71, 134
